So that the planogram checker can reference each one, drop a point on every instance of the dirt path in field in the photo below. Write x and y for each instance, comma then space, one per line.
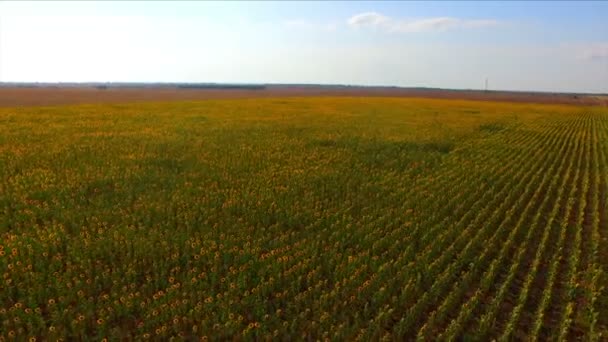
48, 96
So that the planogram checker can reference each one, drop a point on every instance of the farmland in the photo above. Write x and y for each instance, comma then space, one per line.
304, 218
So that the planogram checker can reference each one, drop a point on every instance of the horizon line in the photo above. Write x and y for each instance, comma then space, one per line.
245, 84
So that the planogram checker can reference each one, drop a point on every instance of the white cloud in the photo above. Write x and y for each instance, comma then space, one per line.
595, 52
369, 19
378, 21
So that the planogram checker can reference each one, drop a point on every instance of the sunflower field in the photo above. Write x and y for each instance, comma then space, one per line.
304, 219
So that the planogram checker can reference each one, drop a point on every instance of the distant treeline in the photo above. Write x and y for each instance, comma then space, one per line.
222, 86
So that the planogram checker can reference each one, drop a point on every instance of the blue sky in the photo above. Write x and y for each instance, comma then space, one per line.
546, 46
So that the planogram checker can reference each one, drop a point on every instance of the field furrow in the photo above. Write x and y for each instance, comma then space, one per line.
467, 277
601, 276
542, 286
529, 277
472, 306
503, 293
